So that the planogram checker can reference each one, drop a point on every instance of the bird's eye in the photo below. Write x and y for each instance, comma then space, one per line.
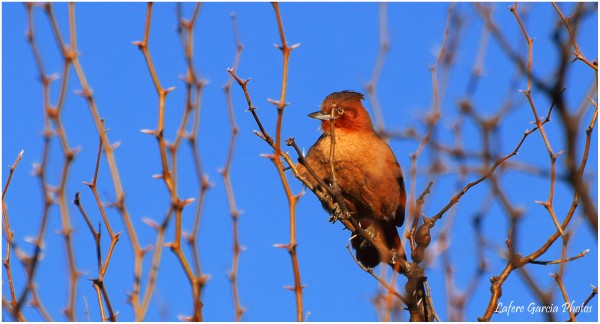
340, 111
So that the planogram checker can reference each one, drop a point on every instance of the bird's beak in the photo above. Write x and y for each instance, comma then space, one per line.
319, 115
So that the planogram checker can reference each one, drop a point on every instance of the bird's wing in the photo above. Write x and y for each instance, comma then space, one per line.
400, 211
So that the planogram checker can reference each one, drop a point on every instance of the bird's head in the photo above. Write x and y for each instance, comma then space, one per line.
346, 111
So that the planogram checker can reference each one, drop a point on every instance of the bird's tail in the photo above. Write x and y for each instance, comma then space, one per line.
386, 234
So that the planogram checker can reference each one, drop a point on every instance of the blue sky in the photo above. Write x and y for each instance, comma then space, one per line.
339, 44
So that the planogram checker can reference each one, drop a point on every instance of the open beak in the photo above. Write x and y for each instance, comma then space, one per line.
319, 115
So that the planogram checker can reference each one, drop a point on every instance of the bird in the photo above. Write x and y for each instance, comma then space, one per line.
367, 173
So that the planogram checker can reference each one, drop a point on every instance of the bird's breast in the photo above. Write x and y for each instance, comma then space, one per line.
366, 171
351, 147
358, 158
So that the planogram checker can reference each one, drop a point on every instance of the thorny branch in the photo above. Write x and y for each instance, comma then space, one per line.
516, 261
193, 87
278, 154
169, 171
587, 300
573, 38
70, 56
52, 116
98, 283
554, 91
8, 233
292, 199
371, 86
225, 172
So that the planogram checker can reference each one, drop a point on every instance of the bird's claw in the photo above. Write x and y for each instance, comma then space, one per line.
338, 215
366, 243
333, 218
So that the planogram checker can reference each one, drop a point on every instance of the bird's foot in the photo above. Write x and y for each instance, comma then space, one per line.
337, 215
366, 243
333, 218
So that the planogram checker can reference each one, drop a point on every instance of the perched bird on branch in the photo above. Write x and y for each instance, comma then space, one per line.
366, 172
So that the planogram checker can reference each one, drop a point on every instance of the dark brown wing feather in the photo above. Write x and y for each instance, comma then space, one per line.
400, 212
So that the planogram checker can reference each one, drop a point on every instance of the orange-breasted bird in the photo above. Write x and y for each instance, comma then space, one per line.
366, 171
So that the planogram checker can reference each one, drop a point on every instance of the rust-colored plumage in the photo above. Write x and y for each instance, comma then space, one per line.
366, 171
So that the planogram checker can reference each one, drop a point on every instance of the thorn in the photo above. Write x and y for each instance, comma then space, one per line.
188, 201
184, 318
259, 134
150, 223
281, 246
277, 103
290, 288
147, 249
53, 77
182, 77
30, 239
115, 145
157, 176
205, 278
76, 150
148, 131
